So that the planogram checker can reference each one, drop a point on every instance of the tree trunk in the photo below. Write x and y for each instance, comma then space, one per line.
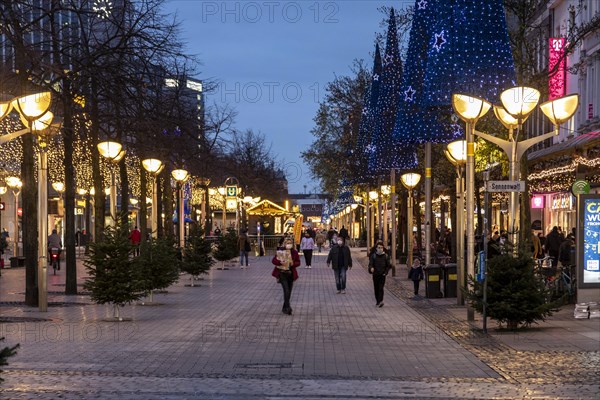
29, 195
454, 232
124, 192
100, 195
143, 210
68, 139
168, 205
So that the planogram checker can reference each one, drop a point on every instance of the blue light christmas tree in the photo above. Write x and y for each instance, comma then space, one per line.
468, 51
363, 142
383, 156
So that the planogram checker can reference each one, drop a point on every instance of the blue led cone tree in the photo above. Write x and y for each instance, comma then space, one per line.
382, 155
468, 51
363, 142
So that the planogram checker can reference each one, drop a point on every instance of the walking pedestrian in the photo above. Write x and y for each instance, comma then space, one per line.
307, 245
244, 247
416, 274
286, 261
320, 240
340, 260
135, 237
379, 266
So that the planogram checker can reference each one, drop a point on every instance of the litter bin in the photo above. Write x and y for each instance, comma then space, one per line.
450, 280
17, 262
433, 275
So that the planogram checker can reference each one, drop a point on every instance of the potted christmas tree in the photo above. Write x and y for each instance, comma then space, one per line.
113, 277
226, 247
515, 295
157, 266
196, 256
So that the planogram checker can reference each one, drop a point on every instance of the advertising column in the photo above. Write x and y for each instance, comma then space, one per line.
588, 248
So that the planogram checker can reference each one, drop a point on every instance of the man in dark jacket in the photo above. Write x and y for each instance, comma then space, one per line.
340, 260
344, 233
379, 266
553, 242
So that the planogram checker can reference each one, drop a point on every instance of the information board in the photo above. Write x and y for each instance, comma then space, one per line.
588, 241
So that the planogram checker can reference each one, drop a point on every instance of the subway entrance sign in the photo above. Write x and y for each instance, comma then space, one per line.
505, 186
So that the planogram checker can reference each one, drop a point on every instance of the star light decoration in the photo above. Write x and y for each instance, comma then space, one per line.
422, 4
409, 94
439, 41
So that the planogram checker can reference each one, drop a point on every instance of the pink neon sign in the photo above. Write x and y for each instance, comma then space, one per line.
537, 202
557, 82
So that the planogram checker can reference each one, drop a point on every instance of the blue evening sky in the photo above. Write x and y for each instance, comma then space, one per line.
273, 60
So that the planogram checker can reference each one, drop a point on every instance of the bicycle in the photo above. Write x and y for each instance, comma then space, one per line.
54, 259
567, 284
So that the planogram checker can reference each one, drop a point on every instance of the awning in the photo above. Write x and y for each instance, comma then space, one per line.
568, 146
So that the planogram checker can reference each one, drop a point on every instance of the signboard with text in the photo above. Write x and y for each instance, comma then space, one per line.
506, 186
588, 241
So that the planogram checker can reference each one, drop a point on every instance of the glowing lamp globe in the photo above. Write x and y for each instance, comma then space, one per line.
562, 109
410, 180
152, 165
470, 108
180, 175
33, 106
520, 101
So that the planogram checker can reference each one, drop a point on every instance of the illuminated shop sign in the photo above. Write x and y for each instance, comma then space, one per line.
557, 83
537, 202
562, 201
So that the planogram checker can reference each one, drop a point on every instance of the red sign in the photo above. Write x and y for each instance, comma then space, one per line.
558, 79
20, 212
537, 202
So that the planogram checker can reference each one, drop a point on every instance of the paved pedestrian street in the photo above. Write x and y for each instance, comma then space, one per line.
228, 339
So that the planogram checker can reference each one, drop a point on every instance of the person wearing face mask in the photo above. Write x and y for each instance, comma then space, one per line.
286, 260
379, 266
340, 260
307, 244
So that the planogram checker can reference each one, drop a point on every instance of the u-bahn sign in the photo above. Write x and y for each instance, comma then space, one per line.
506, 186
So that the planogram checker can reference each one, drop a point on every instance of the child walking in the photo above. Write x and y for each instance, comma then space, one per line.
416, 274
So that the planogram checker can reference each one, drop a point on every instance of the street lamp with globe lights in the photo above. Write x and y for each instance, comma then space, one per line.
113, 152
470, 109
180, 175
154, 167
410, 180
456, 152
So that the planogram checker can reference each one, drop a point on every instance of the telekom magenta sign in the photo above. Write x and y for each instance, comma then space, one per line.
537, 202
557, 83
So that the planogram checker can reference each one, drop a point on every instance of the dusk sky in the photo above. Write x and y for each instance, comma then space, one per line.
273, 60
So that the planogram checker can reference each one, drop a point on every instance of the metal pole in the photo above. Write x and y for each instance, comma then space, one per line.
223, 228
379, 213
428, 203
113, 197
470, 194
154, 208
394, 226
181, 219
16, 233
409, 231
459, 230
372, 243
368, 221
43, 229
514, 196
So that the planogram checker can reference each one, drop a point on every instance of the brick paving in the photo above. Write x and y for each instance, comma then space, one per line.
227, 339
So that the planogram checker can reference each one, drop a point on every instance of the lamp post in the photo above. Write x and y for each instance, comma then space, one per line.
205, 205
221, 191
470, 109
15, 184
517, 105
154, 167
3, 190
114, 152
180, 175
33, 111
385, 190
410, 180
456, 152
372, 196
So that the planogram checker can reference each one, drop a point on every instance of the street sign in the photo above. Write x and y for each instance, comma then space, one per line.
505, 186
231, 191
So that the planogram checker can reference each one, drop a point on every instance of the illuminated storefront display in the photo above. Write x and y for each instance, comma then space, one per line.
588, 248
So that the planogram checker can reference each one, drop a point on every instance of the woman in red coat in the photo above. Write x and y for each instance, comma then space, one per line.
286, 261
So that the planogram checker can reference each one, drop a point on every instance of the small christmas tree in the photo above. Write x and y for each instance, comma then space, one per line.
5, 353
113, 277
196, 257
157, 265
515, 295
226, 247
